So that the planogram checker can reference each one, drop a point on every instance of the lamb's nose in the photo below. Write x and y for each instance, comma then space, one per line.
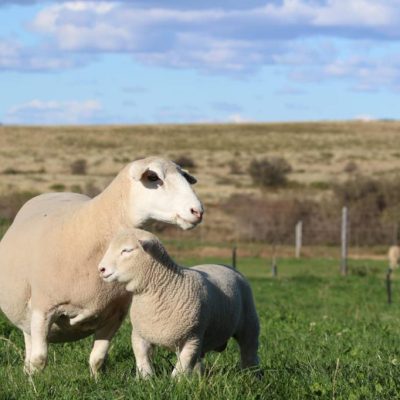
197, 213
102, 269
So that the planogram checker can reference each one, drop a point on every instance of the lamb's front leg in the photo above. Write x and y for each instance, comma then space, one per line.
188, 357
101, 345
142, 350
40, 325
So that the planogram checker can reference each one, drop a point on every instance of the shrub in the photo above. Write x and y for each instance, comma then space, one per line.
12, 202
91, 189
57, 187
270, 171
235, 168
351, 167
273, 220
11, 171
76, 188
79, 167
185, 162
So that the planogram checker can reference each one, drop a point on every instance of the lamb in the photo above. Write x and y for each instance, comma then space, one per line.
190, 310
394, 256
49, 285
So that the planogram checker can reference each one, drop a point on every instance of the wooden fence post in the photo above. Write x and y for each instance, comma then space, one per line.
274, 268
395, 234
389, 285
234, 257
343, 264
299, 237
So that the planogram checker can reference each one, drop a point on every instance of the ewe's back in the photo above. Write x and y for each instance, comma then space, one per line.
49, 205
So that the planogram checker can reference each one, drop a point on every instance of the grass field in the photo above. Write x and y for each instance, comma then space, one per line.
322, 336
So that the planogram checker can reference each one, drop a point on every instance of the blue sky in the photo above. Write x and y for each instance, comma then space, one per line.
97, 62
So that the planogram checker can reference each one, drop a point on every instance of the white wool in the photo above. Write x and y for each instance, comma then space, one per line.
50, 286
191, 310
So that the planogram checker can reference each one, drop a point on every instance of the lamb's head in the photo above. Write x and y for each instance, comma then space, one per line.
128, 257
161, 190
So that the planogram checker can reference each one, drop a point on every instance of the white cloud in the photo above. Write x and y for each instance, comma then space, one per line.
365, 118
237, 119
214, 38
14, 56
54, 112
227, 37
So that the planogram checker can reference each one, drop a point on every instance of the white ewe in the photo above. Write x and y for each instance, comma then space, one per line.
190, 310
49, 285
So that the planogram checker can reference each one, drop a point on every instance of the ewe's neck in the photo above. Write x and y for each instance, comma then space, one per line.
107, 213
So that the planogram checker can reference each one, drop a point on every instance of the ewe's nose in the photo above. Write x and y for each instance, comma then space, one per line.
197, 213
102, 269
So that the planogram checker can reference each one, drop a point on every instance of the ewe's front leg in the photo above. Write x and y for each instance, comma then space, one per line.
102, 341
37, 343
142, 350
28, 347
188, 358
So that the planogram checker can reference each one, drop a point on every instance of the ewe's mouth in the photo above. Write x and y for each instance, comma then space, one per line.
185, 224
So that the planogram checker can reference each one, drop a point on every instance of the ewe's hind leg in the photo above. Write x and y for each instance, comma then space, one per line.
142, 350
28, 347
188, 357
102, 341
40, 325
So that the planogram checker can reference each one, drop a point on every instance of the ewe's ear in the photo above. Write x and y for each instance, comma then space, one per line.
190, 178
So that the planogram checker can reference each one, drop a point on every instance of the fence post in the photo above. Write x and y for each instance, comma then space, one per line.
389, 285
299, 234
396, 234
343, 265
274, 268
234, 257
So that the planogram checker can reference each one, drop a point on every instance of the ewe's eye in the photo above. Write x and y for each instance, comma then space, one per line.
152, 176
125, 251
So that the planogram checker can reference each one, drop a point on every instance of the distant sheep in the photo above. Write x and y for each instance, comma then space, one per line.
394, 256
49, 285
188, 310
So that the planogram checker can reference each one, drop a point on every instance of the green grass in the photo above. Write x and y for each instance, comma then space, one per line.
322, 336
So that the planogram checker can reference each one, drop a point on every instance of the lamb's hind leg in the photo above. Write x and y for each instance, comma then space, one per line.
247, 339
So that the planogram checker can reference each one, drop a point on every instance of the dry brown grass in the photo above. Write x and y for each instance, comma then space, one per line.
41, 157
318, 152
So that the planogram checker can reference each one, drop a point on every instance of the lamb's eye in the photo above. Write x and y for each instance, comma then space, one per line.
125, 251
152, 176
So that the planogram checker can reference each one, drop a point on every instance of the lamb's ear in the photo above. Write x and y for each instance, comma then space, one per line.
155, 249
148, 245
190, 178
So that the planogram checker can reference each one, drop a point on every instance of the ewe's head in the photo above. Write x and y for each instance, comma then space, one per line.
162, 191
129, 256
